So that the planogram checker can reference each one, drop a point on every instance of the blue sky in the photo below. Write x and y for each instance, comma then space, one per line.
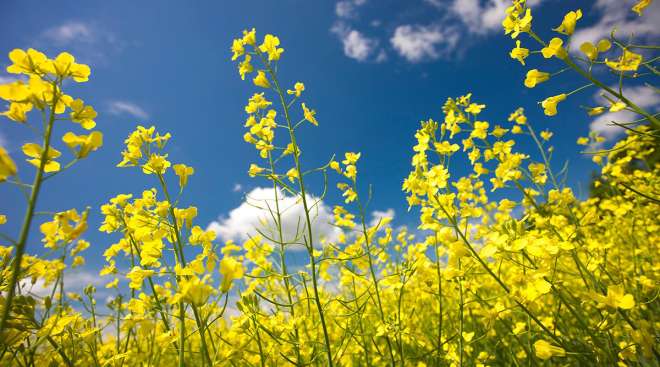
372, 69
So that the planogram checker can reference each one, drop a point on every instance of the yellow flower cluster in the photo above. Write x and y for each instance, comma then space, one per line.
506, 265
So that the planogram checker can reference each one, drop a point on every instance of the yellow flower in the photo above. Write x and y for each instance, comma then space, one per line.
250, 37
474, 108
230, 269
335, 166
113, 284
480, 130
589, 50
156, 164
7, 165
183, 172
640, 6
17, 91
254, 170
260, 80
84, 115
298, 88
617, 106
270, 47
17, 111
550, 104
351, 158
595, 111
292, 174
237, 49
137, 276
554, 48
87, 143
546, 135
567, 26
629, 61
343, 218
535, 77
35, 151
245, 67
446, 148
257, 102
30, 62
514, 24
616, 298
3, 219
309, 115
583, 141
545, 350
519, 53
350, 172
65, 66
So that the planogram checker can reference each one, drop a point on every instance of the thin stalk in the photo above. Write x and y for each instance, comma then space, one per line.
29, 214
301, 184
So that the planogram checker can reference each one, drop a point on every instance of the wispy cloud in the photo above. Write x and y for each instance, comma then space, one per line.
237, 187
119, 108
74, 281
642, 96
89, 42
255, 212
348, 8
73, 31
617, 14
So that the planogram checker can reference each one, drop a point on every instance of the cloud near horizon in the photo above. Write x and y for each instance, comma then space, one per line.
257, 209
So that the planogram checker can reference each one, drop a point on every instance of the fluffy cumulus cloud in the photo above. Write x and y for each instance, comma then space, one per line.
256, 211
356, 45
617, 14
480, 18
416, 43
119, 108
642, 96
455, 21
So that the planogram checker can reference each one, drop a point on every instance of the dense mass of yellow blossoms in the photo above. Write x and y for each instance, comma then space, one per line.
538, 276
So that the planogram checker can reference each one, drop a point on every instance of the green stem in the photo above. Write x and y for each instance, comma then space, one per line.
29, 214
301, 184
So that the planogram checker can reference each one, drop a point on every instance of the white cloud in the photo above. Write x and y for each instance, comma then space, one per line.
237, 187
644, 97
127, 108
255, 212
456, 21
481, 19
418, 43
87, 41
74, 281
356, 45
345, 9
617, 13
378, 215
72, 31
